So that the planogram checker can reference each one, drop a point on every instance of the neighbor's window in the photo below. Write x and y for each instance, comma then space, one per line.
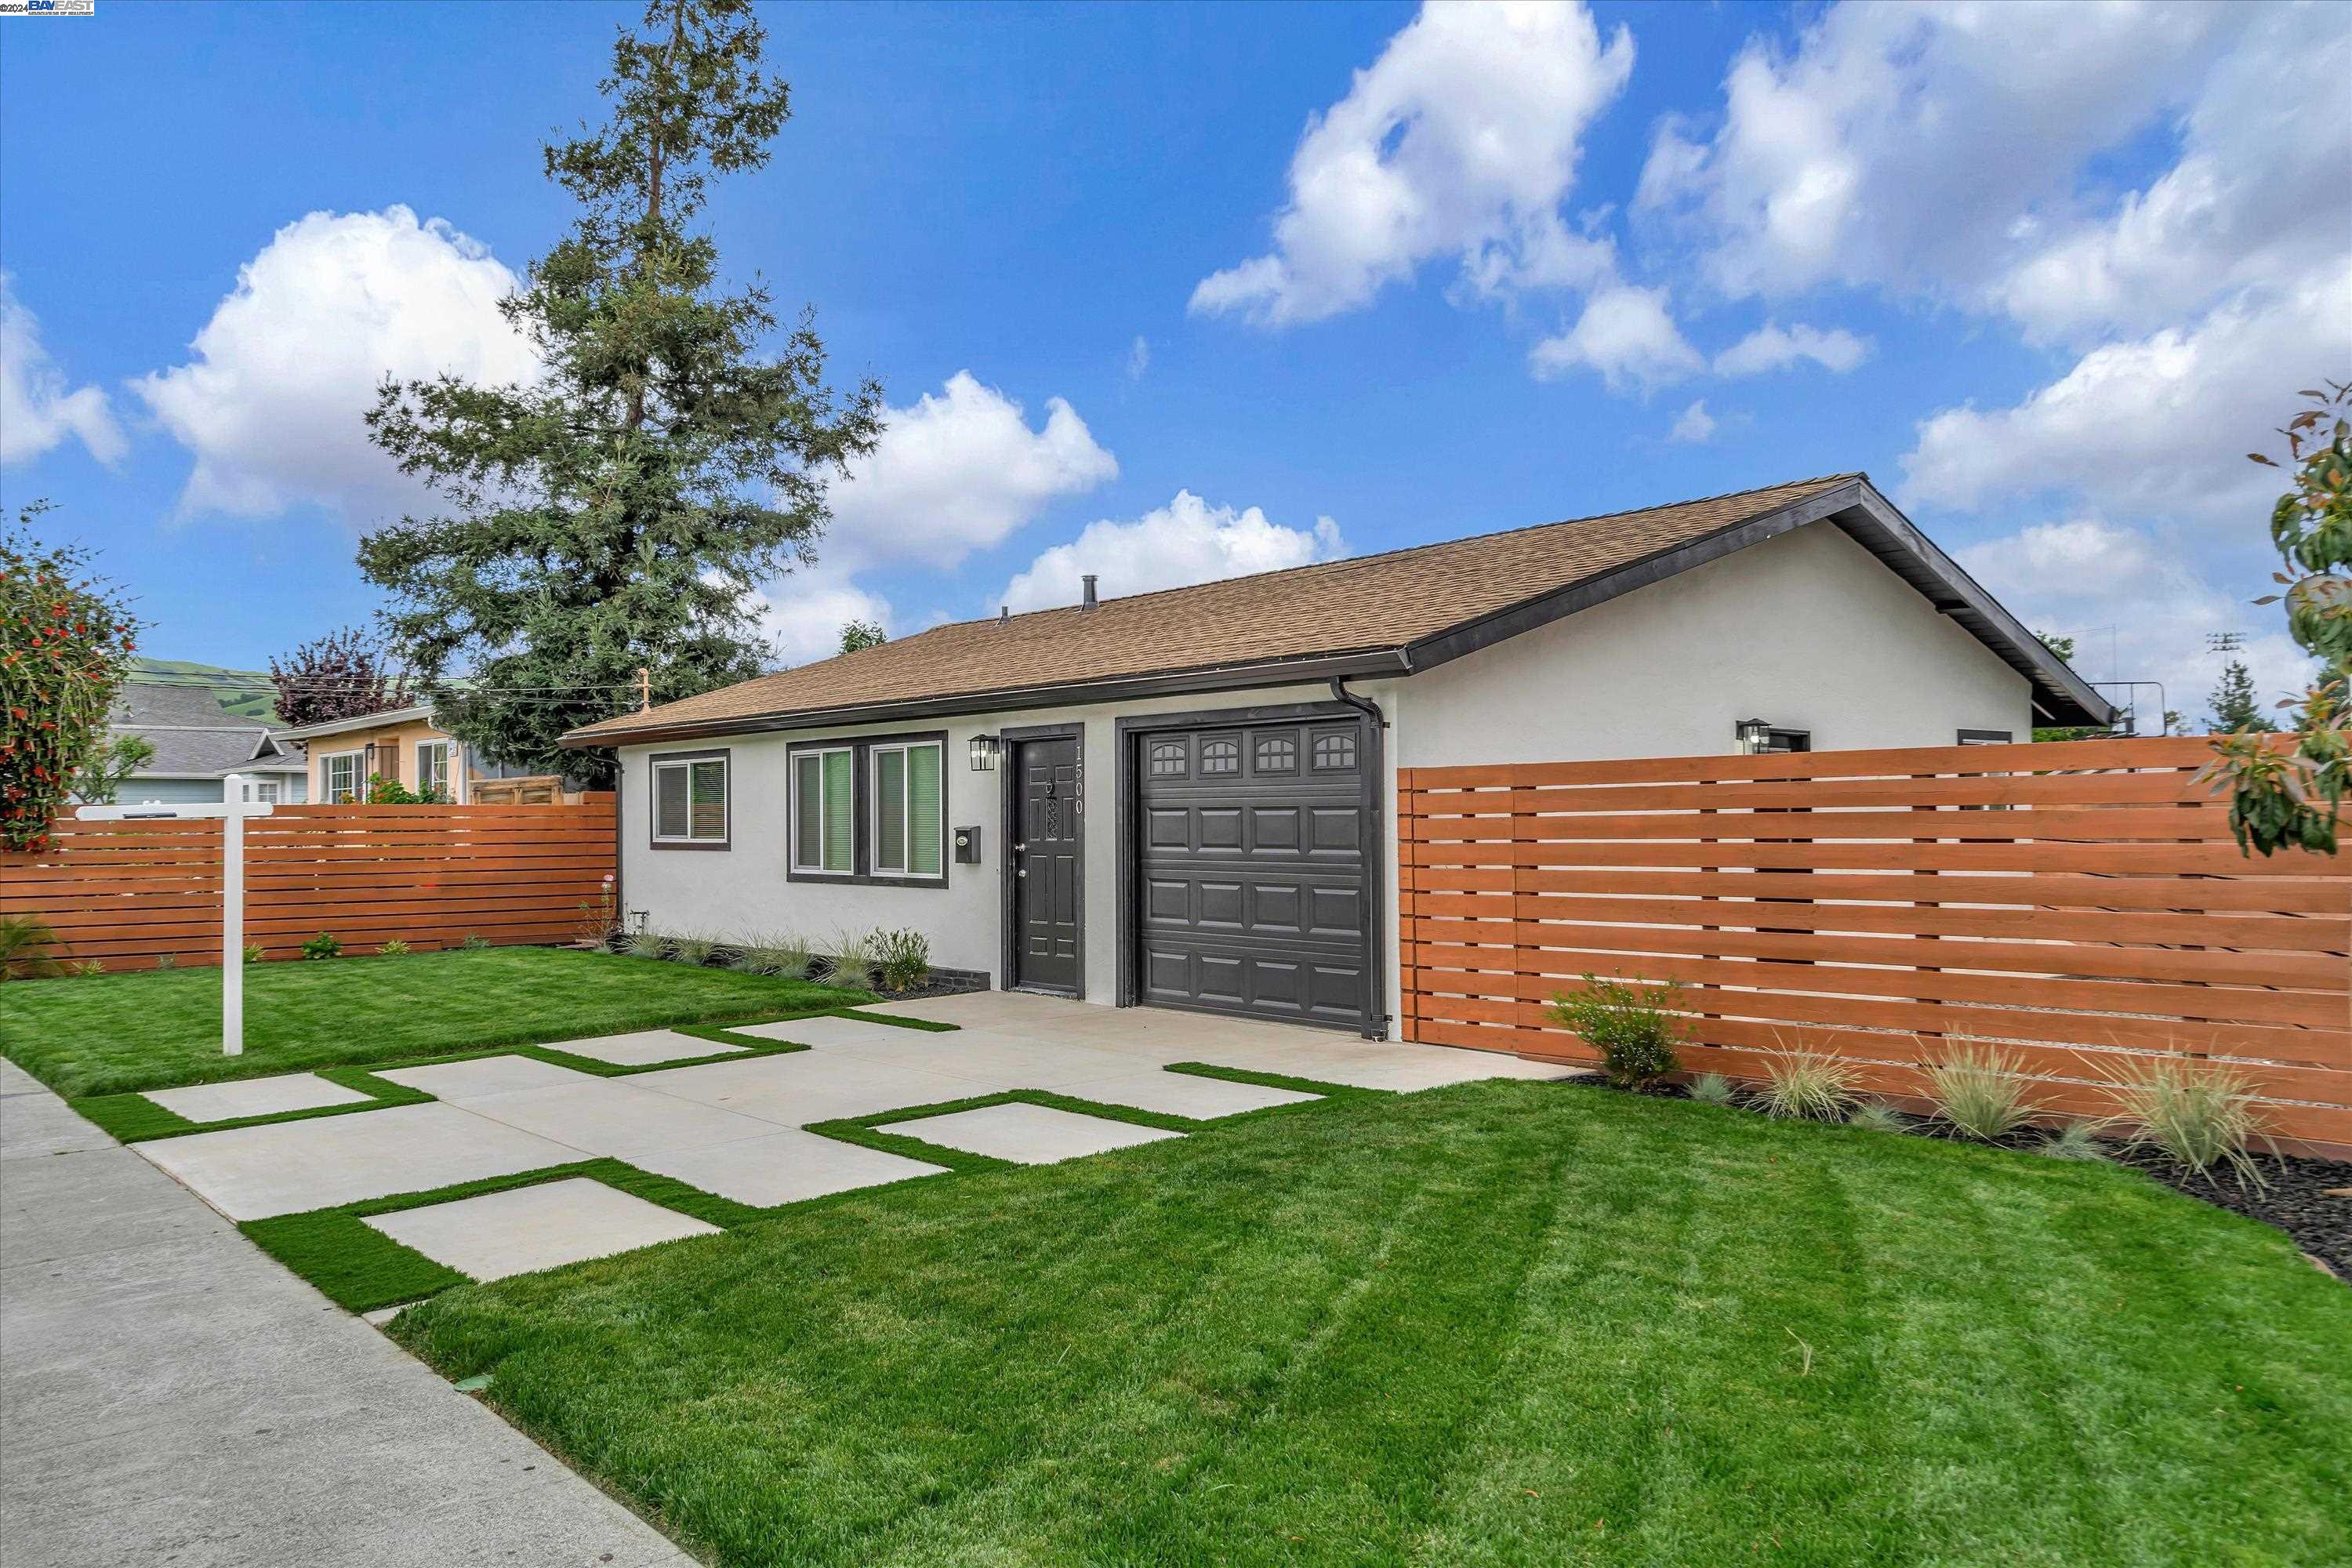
824, 812
909, 821
691, 800
342, 779
432, 768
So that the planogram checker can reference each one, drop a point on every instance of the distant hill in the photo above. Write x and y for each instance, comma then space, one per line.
244, 692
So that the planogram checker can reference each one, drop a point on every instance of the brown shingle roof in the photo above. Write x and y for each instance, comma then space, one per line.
1365, 604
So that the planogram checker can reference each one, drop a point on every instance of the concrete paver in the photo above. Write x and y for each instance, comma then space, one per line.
524, 1229
608, 1116
286, 1167
1028, 1134
458, 1082
829, 1030
1185, 1094
254, 1097
785, 1167
647, 1048
175, 1397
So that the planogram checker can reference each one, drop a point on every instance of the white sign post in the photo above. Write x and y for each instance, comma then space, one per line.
233, 809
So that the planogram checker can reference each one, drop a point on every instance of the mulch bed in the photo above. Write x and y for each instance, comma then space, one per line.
2296, 1199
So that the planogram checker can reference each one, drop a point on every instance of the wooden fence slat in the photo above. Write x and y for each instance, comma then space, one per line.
1831, 901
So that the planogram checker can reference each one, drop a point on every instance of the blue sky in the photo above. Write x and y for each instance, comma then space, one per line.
1163, 292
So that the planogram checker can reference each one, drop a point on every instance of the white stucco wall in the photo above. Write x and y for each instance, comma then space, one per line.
1808, 631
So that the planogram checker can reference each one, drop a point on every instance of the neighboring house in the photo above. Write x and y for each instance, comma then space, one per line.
1195, 806
197, 744
405, 746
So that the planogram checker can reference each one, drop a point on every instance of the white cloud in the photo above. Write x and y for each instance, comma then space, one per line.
1187, 540
803, 613
1461, 140
271, 403
1771, 347
1625, 333
1925, 147
2159, 424
1693, 426
959, 472
37, 410
2137, 610
1138, 358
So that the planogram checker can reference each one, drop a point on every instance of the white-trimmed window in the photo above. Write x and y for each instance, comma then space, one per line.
824, 812
909, 824
691, 800
432, 769
262, 790
340, 777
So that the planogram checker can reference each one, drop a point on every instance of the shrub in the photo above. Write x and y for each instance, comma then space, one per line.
253, 952
28, 948
1713, 1088
323, 946
1873, 1117
1980, 1092
395, 948
87, 968
473, 942
849, 957
382, 790
1808, 1084
2072, 1141
642, 944
1629, 1024
167, 961
693, 950
902, 958
2200, 1117
782, 954
69, 637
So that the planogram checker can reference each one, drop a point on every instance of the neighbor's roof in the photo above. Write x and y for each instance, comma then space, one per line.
384, 719
1373, 615
193, 734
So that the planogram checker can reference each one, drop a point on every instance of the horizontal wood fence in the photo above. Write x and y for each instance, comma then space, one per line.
2081, 905
127, 893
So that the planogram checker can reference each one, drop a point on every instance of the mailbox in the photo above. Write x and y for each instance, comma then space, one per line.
967, 845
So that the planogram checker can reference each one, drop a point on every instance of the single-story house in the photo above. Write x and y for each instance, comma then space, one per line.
407, 747
1196, 802
198, 743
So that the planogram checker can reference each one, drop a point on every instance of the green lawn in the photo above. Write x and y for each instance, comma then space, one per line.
153, 1029
1506, 1322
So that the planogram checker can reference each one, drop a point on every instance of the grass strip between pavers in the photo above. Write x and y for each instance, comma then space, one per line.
132, 1118
360, 1268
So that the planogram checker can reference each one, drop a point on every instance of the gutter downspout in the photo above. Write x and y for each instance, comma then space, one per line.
1376, 1025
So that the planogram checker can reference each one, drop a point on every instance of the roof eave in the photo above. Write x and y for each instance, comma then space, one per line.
1358, 663
364, 721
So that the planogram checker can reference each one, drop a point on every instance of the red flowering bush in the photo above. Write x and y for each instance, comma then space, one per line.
66, 641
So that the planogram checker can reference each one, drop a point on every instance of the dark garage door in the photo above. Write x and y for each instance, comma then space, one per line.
1253, 841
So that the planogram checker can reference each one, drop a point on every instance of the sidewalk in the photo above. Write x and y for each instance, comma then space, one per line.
174, 1396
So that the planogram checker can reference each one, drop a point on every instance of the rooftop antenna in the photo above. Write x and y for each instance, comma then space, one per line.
2225, 642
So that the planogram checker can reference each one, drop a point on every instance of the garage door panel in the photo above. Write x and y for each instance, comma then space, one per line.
1253, 852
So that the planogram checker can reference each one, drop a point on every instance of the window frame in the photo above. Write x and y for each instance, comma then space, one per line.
903, 748
357, 757
1987, 738
448, 749
686, 761
864, 811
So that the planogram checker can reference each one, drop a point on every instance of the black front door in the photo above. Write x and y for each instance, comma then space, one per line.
1048, 864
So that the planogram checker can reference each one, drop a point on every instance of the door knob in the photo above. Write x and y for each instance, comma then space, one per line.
1022, 871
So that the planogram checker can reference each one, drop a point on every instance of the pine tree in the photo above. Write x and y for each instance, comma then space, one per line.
2234, 705
621, 510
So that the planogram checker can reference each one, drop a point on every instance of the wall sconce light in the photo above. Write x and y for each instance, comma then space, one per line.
1755, 735
983, 753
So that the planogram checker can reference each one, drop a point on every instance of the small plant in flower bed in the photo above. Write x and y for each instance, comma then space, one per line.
28, 948
1713, 1088
473, 942
2201, 1119
393, 949
2074, 1141
324, 946
782, 954
167, 961
1809, 1085
87, 968
849, 957
253, 952
1630, 1026
901, 958
691, 949
1980, 1092
1873, 1117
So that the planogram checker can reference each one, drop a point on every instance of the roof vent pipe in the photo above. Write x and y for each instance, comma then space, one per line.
1004, 613
1088, 602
